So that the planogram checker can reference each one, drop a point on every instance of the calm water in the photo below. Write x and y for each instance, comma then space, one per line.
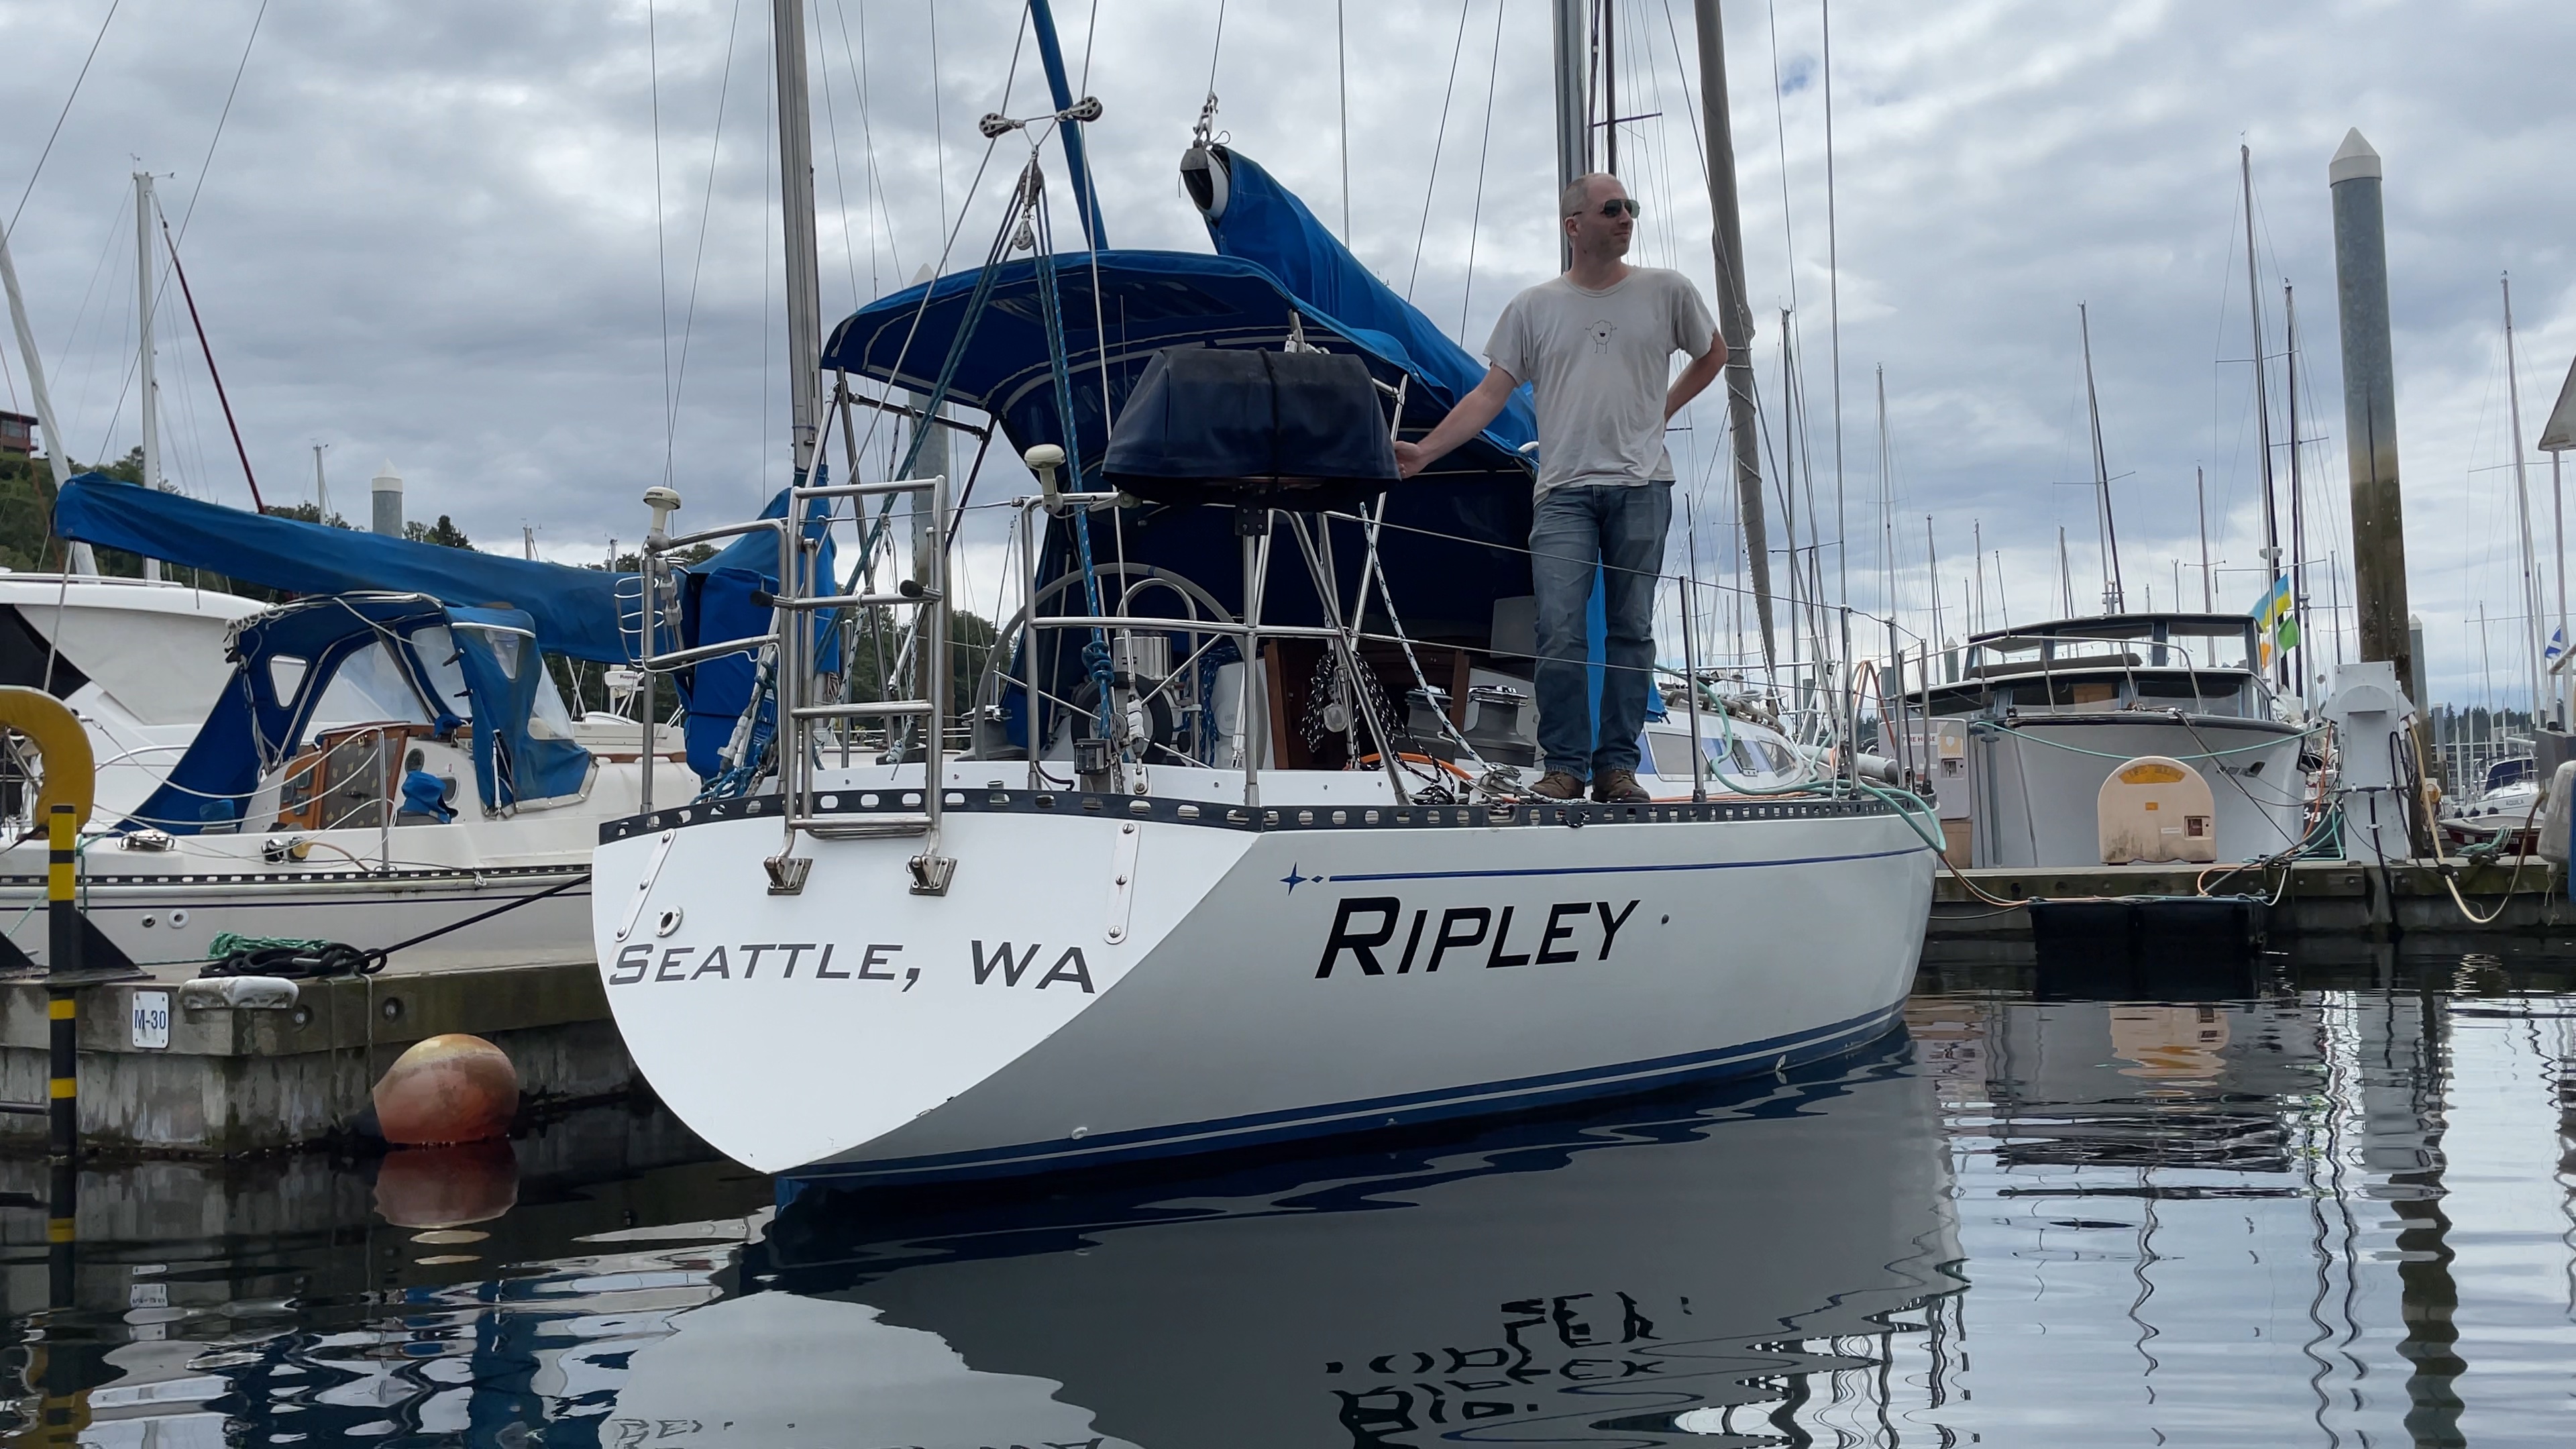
2334, 1212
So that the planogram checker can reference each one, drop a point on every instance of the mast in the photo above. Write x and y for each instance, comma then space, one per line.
1789, 473
79, 559
796, 213
1735, 314
1977, 563
1886, 522
2065, 576
1573, 104
2200, 492
2522, 510
2298, 497
149, 388
1606, 25
2262, 398
2114, 597
1932, 578
145, 382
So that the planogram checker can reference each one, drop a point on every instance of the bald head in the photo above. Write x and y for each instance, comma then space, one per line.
1597, 231
1586, 192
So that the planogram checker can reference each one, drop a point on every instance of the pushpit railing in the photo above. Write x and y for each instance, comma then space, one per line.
787, 648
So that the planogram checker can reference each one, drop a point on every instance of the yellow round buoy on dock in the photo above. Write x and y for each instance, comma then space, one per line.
71, 769
452, 1088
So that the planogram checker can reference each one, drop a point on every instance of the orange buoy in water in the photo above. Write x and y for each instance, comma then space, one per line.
447, 1187
452, 1088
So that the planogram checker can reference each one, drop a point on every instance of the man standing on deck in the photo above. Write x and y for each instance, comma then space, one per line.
1596, 344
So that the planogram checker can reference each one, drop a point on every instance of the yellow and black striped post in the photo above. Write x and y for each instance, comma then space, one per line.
63, 963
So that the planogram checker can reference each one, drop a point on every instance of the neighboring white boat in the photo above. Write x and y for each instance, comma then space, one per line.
375, 767
138, 661
2040, 716
2507, 800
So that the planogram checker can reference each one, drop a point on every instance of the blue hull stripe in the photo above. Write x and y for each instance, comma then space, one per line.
1631, 869
1742, 1059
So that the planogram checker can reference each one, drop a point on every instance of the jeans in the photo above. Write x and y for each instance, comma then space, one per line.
1621, 529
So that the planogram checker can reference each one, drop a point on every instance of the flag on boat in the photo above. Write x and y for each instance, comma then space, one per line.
2277, 621
2557, 644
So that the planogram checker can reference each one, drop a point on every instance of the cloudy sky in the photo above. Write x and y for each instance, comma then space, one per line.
429, 234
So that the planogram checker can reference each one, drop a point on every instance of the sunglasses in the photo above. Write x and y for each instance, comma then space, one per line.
1617, 204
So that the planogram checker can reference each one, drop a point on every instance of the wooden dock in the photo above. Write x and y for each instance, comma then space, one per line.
2312, 899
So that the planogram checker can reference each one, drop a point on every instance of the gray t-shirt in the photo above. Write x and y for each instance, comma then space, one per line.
1600, 364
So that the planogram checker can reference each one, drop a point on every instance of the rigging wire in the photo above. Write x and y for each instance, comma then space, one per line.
225, 115
1216, 47
771, 207
161, 281
62, 115
1475, 219
1090, 31
661, 250
1439, 138
840, 184
881, 218
938, 112
1780, 129
1834, 315
706, 213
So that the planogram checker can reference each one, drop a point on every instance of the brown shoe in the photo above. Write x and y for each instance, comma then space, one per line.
1619, 787
1558, 785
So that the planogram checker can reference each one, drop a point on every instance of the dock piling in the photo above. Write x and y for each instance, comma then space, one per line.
62, 965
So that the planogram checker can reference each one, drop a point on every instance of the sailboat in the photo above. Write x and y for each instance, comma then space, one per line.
134, 659
1176, 879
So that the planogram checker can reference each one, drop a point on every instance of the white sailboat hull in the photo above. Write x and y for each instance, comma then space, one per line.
1100, 984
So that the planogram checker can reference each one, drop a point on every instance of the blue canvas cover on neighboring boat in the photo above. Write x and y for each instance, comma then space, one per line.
284, 662
497, 651
725, 597
576, 611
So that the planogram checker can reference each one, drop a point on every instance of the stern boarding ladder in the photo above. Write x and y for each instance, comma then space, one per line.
806, 721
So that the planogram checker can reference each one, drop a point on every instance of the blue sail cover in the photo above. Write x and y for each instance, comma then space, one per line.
1264, 223
576, 610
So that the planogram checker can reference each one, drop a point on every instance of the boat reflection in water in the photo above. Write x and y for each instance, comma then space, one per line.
1687, 1263
2318, 1216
